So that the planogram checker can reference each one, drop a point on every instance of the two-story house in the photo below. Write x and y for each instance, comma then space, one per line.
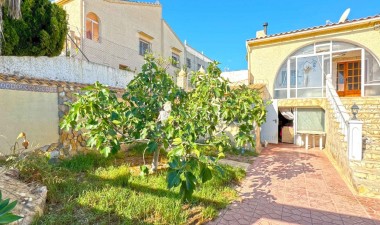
314, 77
118, 33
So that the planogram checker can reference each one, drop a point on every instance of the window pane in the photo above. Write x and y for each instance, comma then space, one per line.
309, 93
293, 93
281, 81
326, 64
292, 73
175, 60
337, 46
305, 51
280, 94
372, 72
372, 90
310, 119
322, 48
95, 34
89, 29
144, 47
188, 63
309, 72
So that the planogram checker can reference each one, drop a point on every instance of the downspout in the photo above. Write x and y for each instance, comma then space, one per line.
82, 26
162, 36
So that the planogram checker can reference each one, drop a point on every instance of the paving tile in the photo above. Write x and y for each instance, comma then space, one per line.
288, 185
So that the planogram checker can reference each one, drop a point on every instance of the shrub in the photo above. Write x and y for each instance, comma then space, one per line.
40, 32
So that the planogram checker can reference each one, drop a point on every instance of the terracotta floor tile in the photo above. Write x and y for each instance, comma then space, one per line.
288, 185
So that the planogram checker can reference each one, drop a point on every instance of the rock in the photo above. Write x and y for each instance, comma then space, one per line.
44, 148
14, 173
54, 161
54, 154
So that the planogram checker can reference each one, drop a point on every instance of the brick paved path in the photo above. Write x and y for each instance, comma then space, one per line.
288, 185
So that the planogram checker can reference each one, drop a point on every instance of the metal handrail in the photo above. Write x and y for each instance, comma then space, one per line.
72, 40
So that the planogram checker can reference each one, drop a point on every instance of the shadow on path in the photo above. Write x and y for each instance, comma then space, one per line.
288, 184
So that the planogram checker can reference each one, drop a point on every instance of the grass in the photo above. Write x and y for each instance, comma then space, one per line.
91, 189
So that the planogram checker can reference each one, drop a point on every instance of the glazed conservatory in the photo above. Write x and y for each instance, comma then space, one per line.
353, 69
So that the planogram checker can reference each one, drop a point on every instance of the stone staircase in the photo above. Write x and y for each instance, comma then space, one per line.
366, 173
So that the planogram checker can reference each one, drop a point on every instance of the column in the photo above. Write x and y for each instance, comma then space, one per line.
355, 140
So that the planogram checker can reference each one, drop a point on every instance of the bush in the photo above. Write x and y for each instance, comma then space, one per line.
40, 32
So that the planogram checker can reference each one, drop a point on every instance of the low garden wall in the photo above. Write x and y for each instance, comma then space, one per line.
33, 97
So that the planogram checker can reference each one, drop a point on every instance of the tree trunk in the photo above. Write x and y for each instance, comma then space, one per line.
156, 156
1, 29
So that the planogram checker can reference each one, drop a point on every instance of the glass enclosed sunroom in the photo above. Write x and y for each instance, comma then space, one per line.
354, 70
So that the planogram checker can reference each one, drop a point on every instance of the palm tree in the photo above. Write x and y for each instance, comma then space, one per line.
14, 11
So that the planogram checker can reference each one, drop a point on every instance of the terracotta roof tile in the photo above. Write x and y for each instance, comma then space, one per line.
44, 82
315, 27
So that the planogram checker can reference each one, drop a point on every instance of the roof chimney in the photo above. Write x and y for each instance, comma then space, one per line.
265, 25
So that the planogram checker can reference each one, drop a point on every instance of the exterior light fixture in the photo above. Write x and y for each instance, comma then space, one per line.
354, 110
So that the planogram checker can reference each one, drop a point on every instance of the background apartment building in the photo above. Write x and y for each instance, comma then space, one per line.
118, 33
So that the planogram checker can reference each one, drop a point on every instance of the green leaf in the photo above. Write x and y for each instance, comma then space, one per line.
144, 170
116, 122
9, 218
7, 208
205, 174
152, 146
191, 180
173, 178
177, 141
4, 203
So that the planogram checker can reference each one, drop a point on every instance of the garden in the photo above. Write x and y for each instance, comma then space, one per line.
154, 151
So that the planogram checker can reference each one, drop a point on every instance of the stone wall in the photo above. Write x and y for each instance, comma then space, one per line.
336, 148
72, 141
302, 103
363, 175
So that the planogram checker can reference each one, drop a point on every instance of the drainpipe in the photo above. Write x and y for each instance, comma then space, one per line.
83, 27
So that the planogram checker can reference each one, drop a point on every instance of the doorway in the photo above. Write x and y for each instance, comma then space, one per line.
286, 125
349, 78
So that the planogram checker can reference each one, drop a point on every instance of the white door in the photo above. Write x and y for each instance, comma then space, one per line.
269, 130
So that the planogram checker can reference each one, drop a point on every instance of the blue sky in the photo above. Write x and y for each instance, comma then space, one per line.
220, 28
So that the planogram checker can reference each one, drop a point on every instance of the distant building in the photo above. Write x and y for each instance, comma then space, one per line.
239, 77
118, 33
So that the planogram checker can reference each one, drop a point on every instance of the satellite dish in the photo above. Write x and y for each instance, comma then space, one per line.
344, 15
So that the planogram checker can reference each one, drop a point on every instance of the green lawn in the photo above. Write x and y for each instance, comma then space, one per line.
91, 189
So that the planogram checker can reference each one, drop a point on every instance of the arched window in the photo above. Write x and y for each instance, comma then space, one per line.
303, 74
92, 27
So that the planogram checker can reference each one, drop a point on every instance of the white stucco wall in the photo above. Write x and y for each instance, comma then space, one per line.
170, 43
236, 77
64, 69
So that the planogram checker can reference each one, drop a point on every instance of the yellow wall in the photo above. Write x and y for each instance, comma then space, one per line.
75, 16
265, 59
35, 113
